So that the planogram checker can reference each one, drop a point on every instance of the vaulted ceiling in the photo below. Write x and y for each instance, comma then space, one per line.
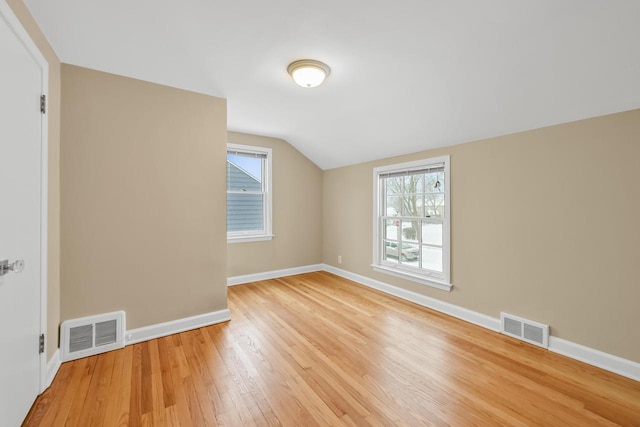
407, 75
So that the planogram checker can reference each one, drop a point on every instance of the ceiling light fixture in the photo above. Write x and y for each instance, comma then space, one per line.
308, 72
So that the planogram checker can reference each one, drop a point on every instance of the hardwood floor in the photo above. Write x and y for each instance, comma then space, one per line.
317, 350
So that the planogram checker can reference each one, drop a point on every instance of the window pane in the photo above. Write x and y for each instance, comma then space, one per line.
394, 185
394, 205
410, 254
442, 181
414, 184
407, 255
434, 182
434, 205
432, 233
432, 258
411, 205
390, 251
391, 229
410, 230
245, 212
420, 205
244, 173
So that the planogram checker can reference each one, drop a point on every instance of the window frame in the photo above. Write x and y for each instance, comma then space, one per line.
266, 232
430, 278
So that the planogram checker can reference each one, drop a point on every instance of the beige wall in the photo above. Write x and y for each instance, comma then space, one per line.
545, 225
143, 201
297, 213
53, 277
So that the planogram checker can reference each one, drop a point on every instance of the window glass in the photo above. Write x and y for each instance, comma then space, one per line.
413, 222
248, 192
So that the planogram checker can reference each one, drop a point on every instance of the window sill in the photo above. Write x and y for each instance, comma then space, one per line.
245, 239
423, 280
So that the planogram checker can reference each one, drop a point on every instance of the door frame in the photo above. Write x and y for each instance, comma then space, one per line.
6, 13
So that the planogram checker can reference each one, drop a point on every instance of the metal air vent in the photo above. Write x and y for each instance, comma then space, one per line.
91, 335
526, 330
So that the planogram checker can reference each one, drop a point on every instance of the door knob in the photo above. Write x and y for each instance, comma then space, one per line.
6, 267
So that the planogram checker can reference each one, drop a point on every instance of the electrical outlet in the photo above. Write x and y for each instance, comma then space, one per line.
339, 259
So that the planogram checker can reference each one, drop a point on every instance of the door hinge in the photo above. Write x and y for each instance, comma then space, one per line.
43, 104
41, 343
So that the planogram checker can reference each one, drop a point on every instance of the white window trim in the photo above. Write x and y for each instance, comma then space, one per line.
397, 270
261, 235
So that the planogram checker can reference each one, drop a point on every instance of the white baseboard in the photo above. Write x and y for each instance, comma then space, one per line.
248, 278
158, 330
52, 368
425, 301
609, 362
606, 361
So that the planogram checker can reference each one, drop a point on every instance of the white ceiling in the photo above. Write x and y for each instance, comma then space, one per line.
407, 75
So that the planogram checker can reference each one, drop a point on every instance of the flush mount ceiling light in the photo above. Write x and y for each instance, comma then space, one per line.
308, 72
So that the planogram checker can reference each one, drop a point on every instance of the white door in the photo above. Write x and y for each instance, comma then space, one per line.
20, 222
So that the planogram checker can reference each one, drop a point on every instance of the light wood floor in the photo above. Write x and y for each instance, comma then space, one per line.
316, 349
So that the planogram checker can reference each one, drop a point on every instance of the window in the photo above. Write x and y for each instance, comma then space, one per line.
248, 193
411, 221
